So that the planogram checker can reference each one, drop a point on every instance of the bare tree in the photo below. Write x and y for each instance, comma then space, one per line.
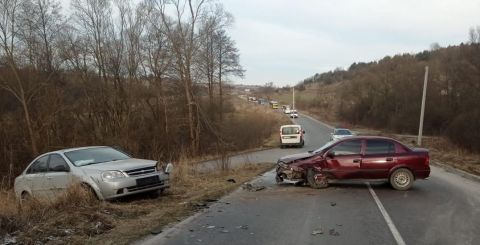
21, 89
182, 34
228, 62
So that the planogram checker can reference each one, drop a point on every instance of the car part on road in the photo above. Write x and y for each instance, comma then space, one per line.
250, 187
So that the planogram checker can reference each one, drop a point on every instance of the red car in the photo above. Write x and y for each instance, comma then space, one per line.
357, 157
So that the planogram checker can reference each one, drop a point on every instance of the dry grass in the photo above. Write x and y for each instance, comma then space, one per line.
76, 218
254, 123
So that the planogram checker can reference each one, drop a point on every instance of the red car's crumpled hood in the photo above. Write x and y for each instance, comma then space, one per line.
290, 158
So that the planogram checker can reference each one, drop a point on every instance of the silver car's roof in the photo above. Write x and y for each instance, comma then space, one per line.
76, 148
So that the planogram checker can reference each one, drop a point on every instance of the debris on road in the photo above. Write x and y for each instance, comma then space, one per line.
317, 232
156, 231
211, 200
224, 231
244, 227
333, 232
333, 204
210, 227
191, 230
250, 187
200, 205
231, 180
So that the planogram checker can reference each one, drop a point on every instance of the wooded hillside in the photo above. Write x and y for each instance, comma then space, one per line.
387, 93
147, 77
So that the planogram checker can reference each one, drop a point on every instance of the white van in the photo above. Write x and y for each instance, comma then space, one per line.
292, 135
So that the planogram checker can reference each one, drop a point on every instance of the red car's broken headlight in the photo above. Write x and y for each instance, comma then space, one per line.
296, 168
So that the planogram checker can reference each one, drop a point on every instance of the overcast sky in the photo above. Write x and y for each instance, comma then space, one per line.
285, 41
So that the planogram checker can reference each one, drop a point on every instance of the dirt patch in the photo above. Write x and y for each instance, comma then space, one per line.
77, 218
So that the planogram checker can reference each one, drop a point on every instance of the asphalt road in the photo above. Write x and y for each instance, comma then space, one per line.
441, 210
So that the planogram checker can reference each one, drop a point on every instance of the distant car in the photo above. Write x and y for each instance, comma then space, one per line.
365, 157
339, 133
287, 110
107, 172
292, 135
294, 114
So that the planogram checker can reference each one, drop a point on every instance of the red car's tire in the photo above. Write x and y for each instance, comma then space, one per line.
402, 179
315, 182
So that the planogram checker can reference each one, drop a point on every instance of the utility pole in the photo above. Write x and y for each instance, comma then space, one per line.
293, 100
422, 111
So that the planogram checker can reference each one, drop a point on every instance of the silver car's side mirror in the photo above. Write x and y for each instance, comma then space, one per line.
169, 168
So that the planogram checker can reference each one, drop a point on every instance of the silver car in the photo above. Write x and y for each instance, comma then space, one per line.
339, 133
108, 172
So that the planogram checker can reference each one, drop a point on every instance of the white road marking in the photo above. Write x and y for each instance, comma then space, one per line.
396, 235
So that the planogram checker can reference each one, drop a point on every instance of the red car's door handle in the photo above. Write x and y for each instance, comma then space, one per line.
389, 159
356, 160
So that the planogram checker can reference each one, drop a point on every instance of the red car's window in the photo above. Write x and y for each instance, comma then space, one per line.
349, 147
375, 147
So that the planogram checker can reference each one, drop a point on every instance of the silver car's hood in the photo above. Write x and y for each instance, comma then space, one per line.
291, 158
341, 136
127, 164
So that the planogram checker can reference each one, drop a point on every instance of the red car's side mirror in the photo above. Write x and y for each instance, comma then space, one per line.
330, 154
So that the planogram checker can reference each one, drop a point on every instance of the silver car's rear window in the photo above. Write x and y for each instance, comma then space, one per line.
95, 155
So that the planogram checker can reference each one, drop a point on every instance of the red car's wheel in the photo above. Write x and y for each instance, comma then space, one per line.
401, 179
315, 180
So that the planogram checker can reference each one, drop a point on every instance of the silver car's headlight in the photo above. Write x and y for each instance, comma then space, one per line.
112, 174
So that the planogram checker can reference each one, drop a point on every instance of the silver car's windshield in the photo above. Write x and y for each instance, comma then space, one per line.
342, 132
328, 144
95, 155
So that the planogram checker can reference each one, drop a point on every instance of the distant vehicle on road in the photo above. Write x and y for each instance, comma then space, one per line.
107, 172
287, 110
365, 157
262, 101
294, 114
339, 133
292, 135
274, 104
